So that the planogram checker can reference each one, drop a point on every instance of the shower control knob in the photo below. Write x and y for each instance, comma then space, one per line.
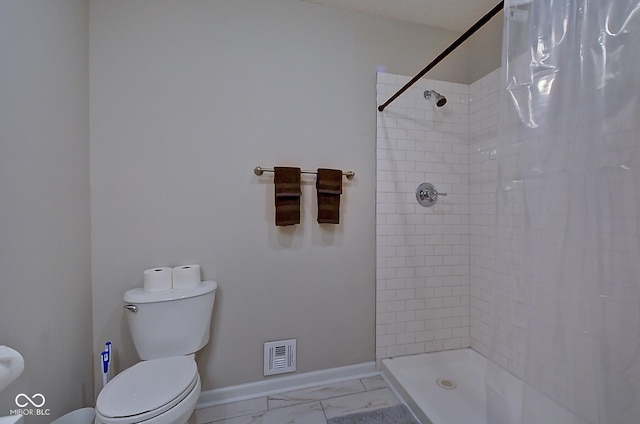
427, 194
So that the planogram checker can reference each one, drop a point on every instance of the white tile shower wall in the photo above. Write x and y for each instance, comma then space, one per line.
483, 127
497, 325
437, 273
422, 291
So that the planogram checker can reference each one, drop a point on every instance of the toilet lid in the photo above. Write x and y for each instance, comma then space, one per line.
154, 385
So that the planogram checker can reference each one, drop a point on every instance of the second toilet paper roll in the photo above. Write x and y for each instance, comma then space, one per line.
186, 276
158, 279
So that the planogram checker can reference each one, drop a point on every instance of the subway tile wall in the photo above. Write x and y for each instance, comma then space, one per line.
437, 267
498, 297
483, 128
497, 329
423, 254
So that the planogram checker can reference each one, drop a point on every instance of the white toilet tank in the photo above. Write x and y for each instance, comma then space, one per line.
171, 322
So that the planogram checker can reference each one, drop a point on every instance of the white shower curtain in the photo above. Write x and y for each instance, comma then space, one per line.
566, 311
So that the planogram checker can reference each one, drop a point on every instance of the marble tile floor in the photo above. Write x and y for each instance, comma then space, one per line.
314, 405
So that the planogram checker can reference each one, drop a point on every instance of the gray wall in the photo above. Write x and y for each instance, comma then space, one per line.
186, 99
485, 49
45, 276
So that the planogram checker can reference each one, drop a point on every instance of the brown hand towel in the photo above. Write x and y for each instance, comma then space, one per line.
287, 195
329, 188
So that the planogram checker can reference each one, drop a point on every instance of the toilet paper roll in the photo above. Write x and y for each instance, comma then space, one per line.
158, 279
186, 276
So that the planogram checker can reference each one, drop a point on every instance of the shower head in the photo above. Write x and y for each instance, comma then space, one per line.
437, 97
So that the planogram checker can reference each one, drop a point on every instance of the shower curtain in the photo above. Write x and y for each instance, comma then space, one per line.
566, 311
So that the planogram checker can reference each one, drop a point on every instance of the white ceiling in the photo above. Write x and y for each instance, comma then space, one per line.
454, 15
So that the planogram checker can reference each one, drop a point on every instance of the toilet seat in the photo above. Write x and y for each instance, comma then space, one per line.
147, 390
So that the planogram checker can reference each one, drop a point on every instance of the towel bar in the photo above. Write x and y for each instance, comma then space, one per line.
258, 170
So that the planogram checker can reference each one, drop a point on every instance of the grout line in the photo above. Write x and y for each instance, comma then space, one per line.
324, 412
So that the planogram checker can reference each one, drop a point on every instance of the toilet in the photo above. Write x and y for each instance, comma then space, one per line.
167, 328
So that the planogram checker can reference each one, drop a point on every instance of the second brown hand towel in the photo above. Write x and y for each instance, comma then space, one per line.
329, 188
287, 195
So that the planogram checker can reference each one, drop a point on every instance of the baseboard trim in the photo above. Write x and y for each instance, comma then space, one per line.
275, 385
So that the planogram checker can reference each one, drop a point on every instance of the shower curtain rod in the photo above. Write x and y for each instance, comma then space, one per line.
486, 18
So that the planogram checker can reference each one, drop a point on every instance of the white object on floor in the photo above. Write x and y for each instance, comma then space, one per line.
12, 419
11, 366
79, 416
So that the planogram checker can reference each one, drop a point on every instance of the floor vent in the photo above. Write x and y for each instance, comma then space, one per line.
279, 357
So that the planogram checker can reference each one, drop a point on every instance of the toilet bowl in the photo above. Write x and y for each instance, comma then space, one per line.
159, 391
167, 329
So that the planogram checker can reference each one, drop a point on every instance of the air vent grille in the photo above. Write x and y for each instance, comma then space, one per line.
279, 357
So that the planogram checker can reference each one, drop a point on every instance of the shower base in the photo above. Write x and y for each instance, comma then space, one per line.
449, 387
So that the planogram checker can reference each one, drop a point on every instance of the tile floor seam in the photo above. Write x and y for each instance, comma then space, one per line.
249, 414
350, 394
252, 414
324, 412
296, 404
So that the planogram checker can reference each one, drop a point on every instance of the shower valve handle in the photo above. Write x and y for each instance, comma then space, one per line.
427, 194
